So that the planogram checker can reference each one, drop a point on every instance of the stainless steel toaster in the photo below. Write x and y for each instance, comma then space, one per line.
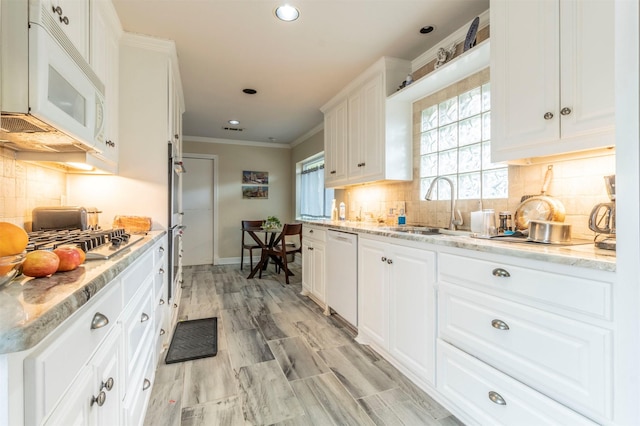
59, 217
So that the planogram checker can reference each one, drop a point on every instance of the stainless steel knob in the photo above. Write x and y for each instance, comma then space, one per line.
389, 261
64, 20
108, 385
502, 273
146, 384
499, 324
161, 271
99, 320
548, 115
161, 302
144, 317
496, 398
384, 259
57, 9
161, 249
565, 111
162, 332
100, 399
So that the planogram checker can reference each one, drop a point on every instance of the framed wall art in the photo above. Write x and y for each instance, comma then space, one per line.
250, 177
255, 192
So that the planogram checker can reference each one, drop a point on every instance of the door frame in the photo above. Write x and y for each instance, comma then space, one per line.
214, 158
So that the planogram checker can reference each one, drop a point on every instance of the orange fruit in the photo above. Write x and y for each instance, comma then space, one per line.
13, 239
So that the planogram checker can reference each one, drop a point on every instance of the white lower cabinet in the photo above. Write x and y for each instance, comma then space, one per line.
313, 263
542, 331
97, 368
396, 303
488, 397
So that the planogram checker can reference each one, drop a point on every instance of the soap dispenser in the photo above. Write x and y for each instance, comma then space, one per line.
402, 219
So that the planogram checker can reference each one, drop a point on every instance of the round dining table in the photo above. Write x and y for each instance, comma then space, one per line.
266, 244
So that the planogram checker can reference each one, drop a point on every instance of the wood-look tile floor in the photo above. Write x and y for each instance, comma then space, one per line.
280, 361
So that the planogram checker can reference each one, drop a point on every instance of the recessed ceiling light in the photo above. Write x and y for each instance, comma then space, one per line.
427, 29
234, 122
287, 13
250, 91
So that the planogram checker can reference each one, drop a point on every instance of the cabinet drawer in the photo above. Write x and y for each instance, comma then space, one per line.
314, 233
137, 274
138, 392
138, 324
51, 368
558, 290
565, 359
491, 398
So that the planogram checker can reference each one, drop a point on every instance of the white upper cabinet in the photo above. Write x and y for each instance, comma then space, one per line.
105, 39
335, 139
552, 77
360, 148
72, 16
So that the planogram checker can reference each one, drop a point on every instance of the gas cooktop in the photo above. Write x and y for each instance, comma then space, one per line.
97, 244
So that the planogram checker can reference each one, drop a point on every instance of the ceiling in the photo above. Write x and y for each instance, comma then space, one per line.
225, 46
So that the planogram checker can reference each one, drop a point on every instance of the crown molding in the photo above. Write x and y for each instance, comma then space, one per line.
307, 135
235, 142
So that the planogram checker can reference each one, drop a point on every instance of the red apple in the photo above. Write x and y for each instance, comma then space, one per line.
69, 258
40, 263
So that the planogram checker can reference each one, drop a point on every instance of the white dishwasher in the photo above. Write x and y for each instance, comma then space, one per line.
342, 274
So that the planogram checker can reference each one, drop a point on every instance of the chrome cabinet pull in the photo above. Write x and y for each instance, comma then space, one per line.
144, 317
108, 385
499, 324
548, 115
57, 9
502, 273
146, 385
161, 302
64, 20
99, 320
100, 399
311, 231
161, 271
389, 261
161, 249
162, 332
384, 259
565, 111
496, 398
332, 172
311, 248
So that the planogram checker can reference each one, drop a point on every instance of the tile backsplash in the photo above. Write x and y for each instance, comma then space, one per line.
578, 184
26, 186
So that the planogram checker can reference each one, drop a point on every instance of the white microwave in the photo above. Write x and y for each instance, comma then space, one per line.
44, 80
59, 91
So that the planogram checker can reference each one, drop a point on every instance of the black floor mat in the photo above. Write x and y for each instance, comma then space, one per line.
193, 339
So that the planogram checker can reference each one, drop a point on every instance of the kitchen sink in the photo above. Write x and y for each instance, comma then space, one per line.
425, 230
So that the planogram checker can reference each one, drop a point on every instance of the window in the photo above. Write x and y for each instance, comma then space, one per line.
315, 200
455, 142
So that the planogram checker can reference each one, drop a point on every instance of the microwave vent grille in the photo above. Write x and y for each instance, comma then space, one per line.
18, 125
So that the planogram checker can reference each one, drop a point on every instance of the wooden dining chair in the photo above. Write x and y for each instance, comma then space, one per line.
282, 248
250, 245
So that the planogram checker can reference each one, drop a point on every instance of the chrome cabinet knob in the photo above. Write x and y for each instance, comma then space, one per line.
389, 261
100, 399
144, 317
548, 115
57, 9
383, 259
161, 271
64, 20
99, 320
565, 111
108, 385
162, 332
161, 249
502, 273
496, 398
499, 324
161, 302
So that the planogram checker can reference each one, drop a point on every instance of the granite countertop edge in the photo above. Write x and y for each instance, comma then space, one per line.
23, 335
579, 255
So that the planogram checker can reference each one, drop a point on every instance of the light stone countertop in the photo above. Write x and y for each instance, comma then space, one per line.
31, 308
581, 255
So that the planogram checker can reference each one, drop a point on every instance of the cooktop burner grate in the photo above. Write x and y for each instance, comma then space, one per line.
97, 244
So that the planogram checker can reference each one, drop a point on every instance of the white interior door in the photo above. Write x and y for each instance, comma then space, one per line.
197, 201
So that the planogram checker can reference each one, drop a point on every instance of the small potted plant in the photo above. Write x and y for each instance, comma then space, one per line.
272, 222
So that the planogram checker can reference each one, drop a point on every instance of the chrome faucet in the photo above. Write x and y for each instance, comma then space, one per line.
454, 222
